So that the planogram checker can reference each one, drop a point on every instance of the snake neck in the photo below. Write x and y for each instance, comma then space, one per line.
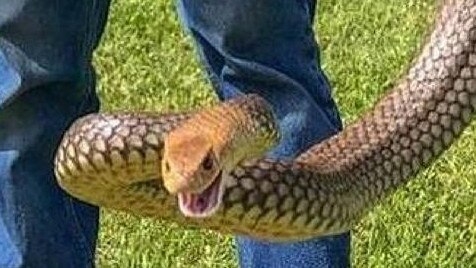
416, 122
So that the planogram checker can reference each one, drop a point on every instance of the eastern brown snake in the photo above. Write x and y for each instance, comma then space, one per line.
113, 160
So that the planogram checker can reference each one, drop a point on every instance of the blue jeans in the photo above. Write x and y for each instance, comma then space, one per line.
46, 81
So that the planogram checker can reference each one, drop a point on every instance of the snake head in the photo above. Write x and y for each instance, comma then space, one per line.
191, 169
201, 153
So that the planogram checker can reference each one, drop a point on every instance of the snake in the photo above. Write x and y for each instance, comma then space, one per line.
208, 168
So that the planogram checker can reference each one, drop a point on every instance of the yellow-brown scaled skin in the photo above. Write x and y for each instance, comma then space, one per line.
111, 160
213, 142
190, 163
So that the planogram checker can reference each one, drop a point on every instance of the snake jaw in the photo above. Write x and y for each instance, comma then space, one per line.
205, 203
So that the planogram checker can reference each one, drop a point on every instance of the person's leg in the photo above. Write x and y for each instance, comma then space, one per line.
46, 81
268, 47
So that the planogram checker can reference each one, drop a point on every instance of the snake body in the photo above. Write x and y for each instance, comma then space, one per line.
113, 160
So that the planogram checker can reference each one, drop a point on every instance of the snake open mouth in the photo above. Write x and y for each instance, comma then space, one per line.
203, 204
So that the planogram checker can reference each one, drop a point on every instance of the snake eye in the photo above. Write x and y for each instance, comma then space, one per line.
167, 166
207, 163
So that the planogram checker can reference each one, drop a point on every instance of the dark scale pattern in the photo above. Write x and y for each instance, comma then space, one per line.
113, 160
100, 147
415, 122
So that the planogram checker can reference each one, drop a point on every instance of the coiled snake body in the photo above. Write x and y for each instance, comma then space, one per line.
114, 160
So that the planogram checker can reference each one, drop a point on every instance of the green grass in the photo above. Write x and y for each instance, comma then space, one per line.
145, 62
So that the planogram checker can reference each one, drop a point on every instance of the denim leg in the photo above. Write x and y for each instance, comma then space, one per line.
46, 81
268, 47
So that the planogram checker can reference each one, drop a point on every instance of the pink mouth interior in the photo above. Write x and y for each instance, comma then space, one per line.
202, 204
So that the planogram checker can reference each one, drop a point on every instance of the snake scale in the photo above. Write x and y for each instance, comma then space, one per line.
113, 160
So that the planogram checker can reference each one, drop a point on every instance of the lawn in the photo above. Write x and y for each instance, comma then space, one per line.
146, 62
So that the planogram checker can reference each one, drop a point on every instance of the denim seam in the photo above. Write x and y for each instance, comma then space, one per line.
83, 240
88, 41
75, 223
